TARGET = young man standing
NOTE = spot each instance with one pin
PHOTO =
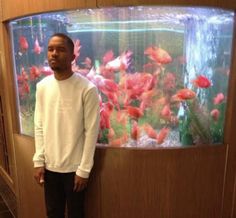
(66, 130)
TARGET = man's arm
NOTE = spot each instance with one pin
(38, 157)
(91, 127)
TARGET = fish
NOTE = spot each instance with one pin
(23, 43)
(122, 62)
(166, 112)
(24, 89)
(122, 117)
(46, 71)
(118, 142)
(169, 82)
(104, 119)
(201, 82)
(159, 55)
(219, 98)
(77, 47)
(23, 77)
(34, 73)
(108, 56)
(215, 113)
(134, 112)
(162, 135)
(87, 63)
(150, 131)
(183, 94)
(135, 131)
(37, 48)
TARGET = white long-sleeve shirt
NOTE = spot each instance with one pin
(66, 124)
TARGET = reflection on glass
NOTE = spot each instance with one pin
(162, 72)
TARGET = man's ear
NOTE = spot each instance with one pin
(73, 57)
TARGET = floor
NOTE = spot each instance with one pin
(4, 212)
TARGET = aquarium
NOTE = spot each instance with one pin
(162, 72)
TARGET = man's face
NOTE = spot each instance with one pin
(59, 55)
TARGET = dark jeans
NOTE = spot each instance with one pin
(59, 194)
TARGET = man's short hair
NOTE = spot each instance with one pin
(68, 40)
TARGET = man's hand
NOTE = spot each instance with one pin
(39, 175)
(80, 183)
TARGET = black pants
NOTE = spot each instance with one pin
(59, 194)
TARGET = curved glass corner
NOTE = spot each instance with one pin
(162, 72)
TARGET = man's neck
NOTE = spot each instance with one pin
(62, 75)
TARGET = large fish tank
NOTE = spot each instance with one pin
(162, 72)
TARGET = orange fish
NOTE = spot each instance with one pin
(134, 112)
(34, 73)
(166, 112)
(23, 77)
(162, 135)
(119, 141)
(23, 44)
(150, 131)
(219, 98)
(183, 94)
(37, 48)
(108, 107)
(169, 81)
(104, 119)
(24, 89)
(135, 131)
(215, 114)
(121, 117)
(201, 82)
(111, 133)
(158, 55)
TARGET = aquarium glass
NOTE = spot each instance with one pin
(162, 72)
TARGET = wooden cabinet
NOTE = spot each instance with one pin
(13, 9)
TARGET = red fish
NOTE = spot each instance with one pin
(119, 141)
(122, 62)
(158, 55)
(134, 112)
(201, 82)
(169, 81)
(34, 73)
(183, 94)
(215, 114)
(135, 131)
(23, 44)
(162, 135)
(109, 56)
(46, 71)
(219, 98)
(122, 117)
(37, 48)
(104, 119)
(166, 112)
(23, 77)
(107, 85)
(150, 131)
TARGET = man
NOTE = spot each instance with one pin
(66, 129)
